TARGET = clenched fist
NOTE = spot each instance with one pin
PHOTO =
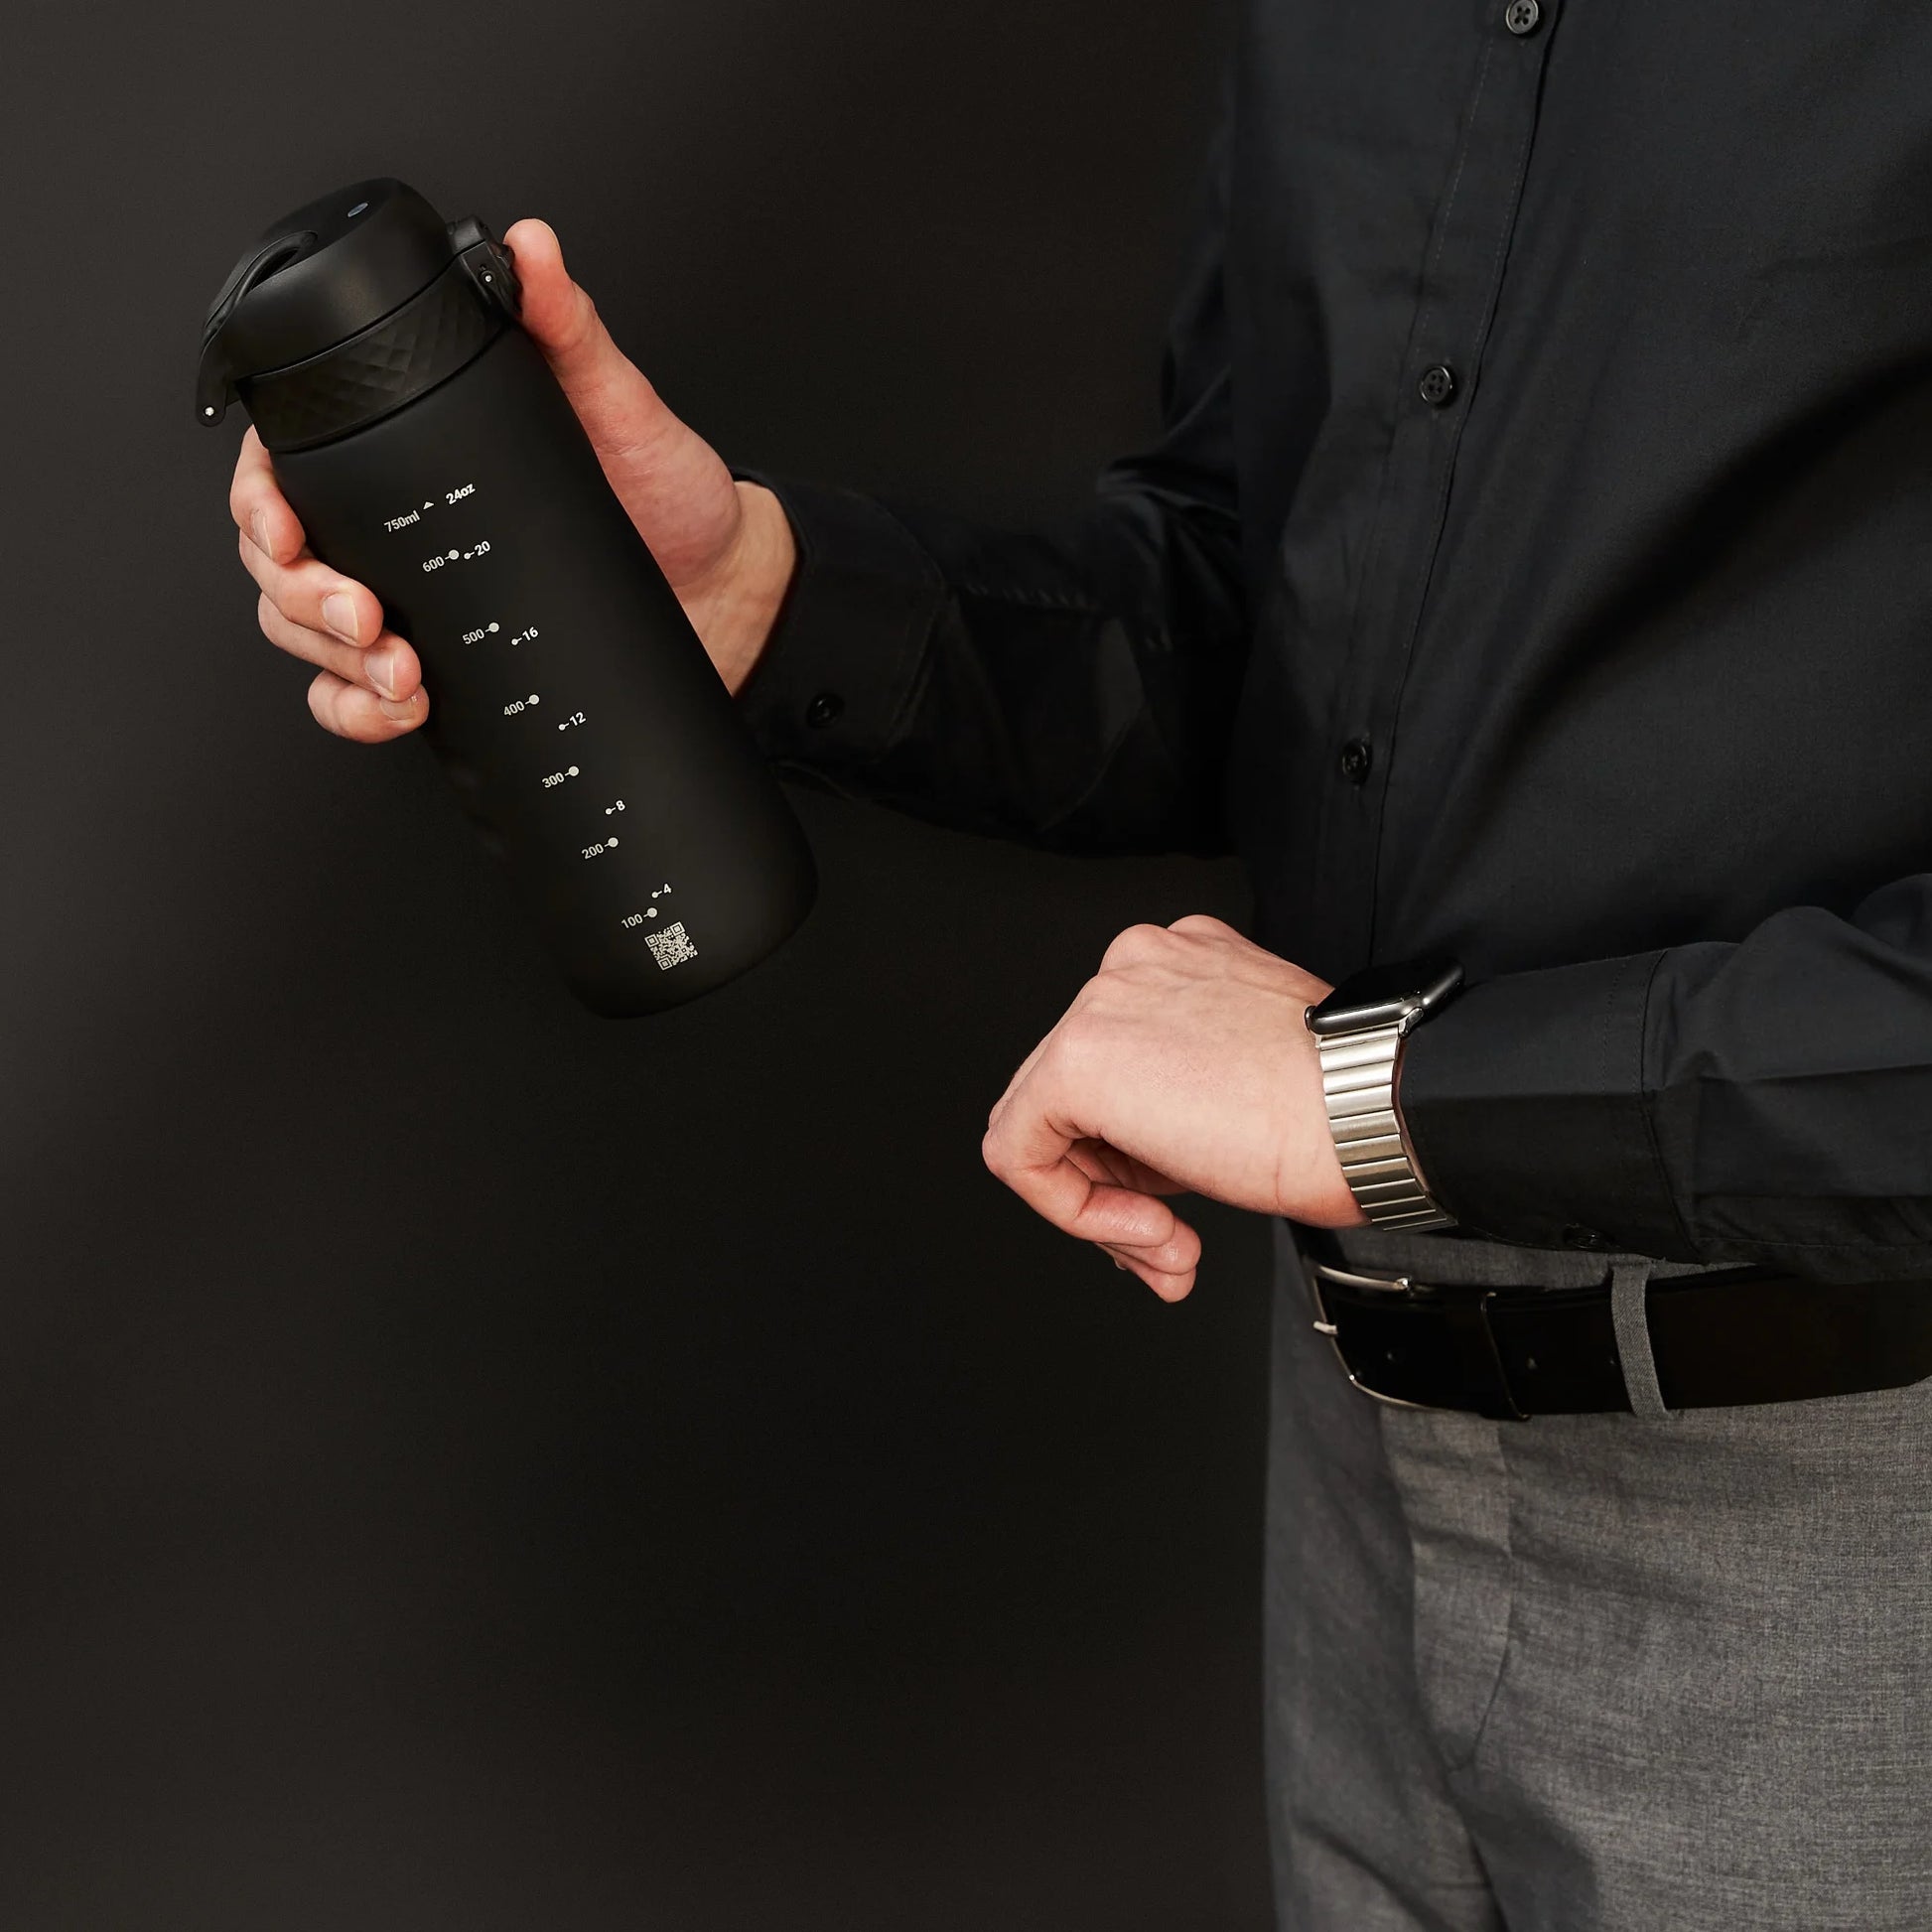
(1184, 1066)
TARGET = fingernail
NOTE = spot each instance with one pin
(397, 708)
(258, 524)
(339, 613)
(380, 667)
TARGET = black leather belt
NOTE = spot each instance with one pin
(1742, 1335)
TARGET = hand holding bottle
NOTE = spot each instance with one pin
(454, 478)
(725, 547)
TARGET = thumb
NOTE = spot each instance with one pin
(676, 487)
(607, 390)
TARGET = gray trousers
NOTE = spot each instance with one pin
(1628, 1672)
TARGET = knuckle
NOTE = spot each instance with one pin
(1075, 1043)
(255, 560)
(1201, 925)
(585, 325)
(1130, 947)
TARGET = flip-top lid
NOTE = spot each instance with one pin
(316, 278)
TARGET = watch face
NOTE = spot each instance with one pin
(1381, 994)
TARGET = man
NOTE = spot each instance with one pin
(1533, 580)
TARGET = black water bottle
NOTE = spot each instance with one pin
(418, 435)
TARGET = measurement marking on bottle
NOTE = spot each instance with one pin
(522, 637)
(454, 556)
(457, 494)
(637, 918)
(555, 779)
(393, 523)
(575, 718)
(660, 892)
(598, 850)
(617, 807)
(520, 704)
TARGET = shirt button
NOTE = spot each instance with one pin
(1523, 17)
(1437, 385)
(824, 708)
(1356, 757)
(1576, 1235)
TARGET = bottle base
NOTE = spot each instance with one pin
(680, 976)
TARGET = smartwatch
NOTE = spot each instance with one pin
(1358, 1033)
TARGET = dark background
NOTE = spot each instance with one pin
(464, 1463)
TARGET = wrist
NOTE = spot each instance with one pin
(1361, 1036)
(1333, 1205)
(1322, 1196)
(735, 611)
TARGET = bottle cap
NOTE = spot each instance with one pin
(326, 273)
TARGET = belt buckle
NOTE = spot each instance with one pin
(1469, 1361)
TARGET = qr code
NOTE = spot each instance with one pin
(672, 946)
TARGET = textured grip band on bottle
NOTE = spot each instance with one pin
(425, 342)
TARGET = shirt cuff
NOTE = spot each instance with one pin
(1525, 1102)
(833, 687)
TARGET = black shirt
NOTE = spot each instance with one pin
(1536, 566)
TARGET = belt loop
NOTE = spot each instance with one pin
(1629, 1292)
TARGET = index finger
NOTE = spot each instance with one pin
(260, 511)
(1032, 1143)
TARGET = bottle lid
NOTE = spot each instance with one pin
(320, 276)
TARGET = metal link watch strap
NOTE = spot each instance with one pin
(1358, 1086)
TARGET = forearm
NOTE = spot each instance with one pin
(1760, 1101)
(1076, 692)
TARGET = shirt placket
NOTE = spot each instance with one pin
(1436, 387)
